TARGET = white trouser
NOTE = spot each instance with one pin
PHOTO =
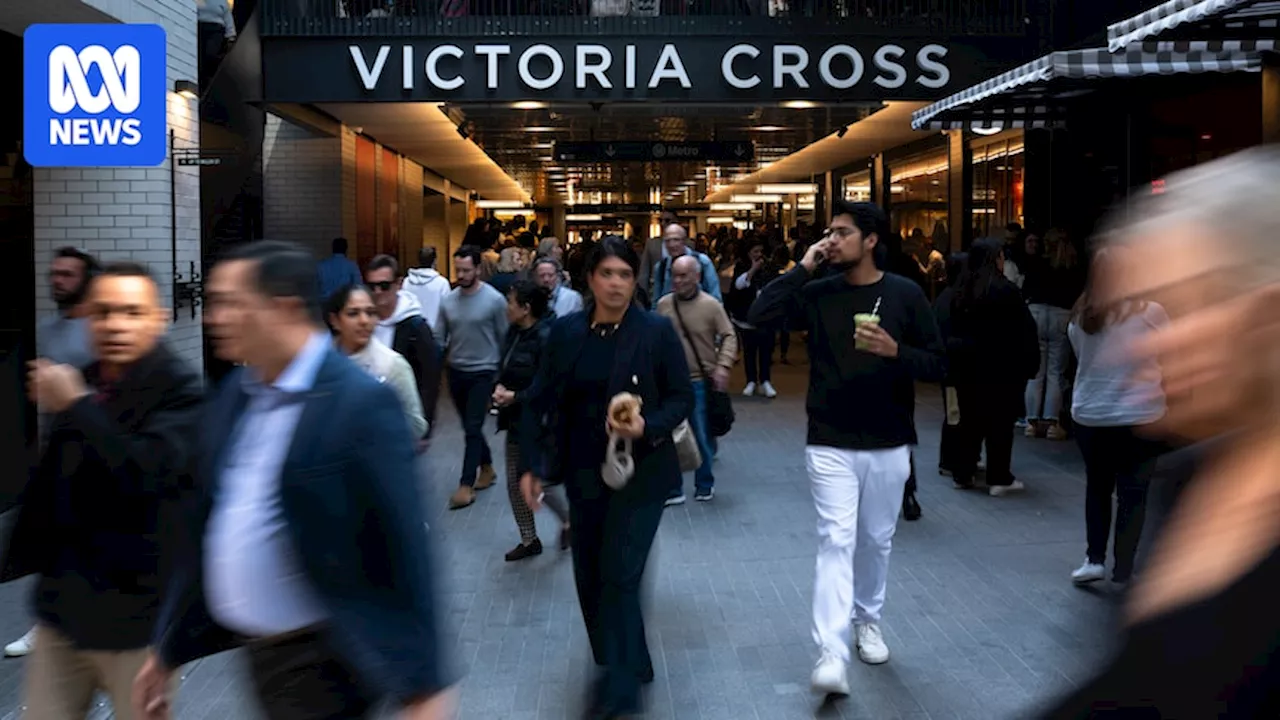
(858, 495)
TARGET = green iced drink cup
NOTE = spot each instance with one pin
(861, 319)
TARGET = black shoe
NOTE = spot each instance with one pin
(566, 538)
(646, 675)
(524, 552)
(704, 494)
(911, 508)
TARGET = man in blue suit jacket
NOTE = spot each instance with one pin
(309, 538)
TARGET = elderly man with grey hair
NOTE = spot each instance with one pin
(675, 244)
(565, 300)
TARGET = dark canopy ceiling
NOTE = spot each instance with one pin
(520, 138)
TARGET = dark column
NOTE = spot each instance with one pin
(959, 190)
(822, 200)
(1271, 98)
(1037, 195)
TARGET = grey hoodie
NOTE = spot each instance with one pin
(429, 287)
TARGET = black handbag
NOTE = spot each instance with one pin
(720, 415)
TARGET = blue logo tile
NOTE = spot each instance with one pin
(94, 96)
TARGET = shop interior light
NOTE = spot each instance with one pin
(499, 204)
(799, 104)
(187, 89)
(749, 198)
(995, 129)
(732, 207)
(719, 220)
(787, 188)
(583, 218)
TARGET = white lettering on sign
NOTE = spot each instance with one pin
(491, 53)
(121, 79)
(557, 67)
(631, 67)
(726, 66)
(433, 72)
(95, 131)
(406, 68)
(669, 67)
(828, 77)
(586, 67)
(369, 77)
(886, 60)
(929, 59)
(783, 65)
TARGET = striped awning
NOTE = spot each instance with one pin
(1169, 15)
(1153, 58)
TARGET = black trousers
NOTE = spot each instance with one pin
(612, 537)
(953, 443)
(987, 414)
(299, 677)
(1116, 461)
(757, 354)
(472, 394)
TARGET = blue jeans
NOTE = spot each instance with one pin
(702, 477)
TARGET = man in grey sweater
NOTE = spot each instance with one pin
(471, 328)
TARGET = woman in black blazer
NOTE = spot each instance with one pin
(613, 346)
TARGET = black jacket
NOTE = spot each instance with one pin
(991, 341)
(650, 362)
(521, 355)
(97, 517)
(415, 343)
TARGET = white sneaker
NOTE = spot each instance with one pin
(871, 647)
(749, 390)
(1089, 572)
(769, 392)
(1002, 490)
(830, 675)
(22, 646)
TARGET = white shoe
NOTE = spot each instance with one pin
(830, 675)
(769, 392)
(22, 646)
(749, 390)
(1089, 573)
(1002, 490)
(871, 647)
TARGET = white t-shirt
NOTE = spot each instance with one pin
(1113, 390)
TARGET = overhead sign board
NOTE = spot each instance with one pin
(705, 69)
(613, 208)
(641, 151)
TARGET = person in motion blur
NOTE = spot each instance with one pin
(403, 328)
(95, 520)
(522, 353)
(352, 317)
(710, 349)
(591, 357)
(427, 285)
(872, 335)
(62, 338)
(1113, 409)
(750, 276)
(471, 330)
(1201, 633)
(308, 543)
(337, 270)
(565, 300)
(992, 350)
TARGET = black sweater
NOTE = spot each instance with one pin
(858, 401)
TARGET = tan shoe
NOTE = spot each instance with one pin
(462, 497)
(485, 478)
(1056, 432)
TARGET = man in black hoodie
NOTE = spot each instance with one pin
(861, 403)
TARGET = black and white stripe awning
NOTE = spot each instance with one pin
(1154, 58)
(1231, 14)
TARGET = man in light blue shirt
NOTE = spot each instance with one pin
(337, 271)
(675, 243)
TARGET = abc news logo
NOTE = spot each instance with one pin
(69, 91)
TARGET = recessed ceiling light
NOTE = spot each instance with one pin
(767, 128)
(543, 146)
(799, 104)
(554, 168)
(539, 129)
(528, 105)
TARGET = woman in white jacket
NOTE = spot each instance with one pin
(353, 317)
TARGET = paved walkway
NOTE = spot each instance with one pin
(981, 618)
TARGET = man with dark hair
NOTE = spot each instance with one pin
(427, 284)
(471, 331)
(402, 327)
(308, 544)
(337, 270)
(872, 335)
(62, 338)
(96, 510)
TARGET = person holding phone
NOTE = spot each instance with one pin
(872, 335)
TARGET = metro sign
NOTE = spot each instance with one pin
(94, 95)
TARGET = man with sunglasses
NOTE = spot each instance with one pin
(861, 405)
(402, 327)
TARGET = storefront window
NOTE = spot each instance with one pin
(998, 175)
(919, 196)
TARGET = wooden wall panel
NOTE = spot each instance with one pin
(389, 205)
(366, 200)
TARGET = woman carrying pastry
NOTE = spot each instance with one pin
(611, 348)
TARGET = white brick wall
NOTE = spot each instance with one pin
(302, 185)
(124, 214)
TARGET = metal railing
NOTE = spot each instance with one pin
(681, 17)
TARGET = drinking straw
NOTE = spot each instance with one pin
(876, 310)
